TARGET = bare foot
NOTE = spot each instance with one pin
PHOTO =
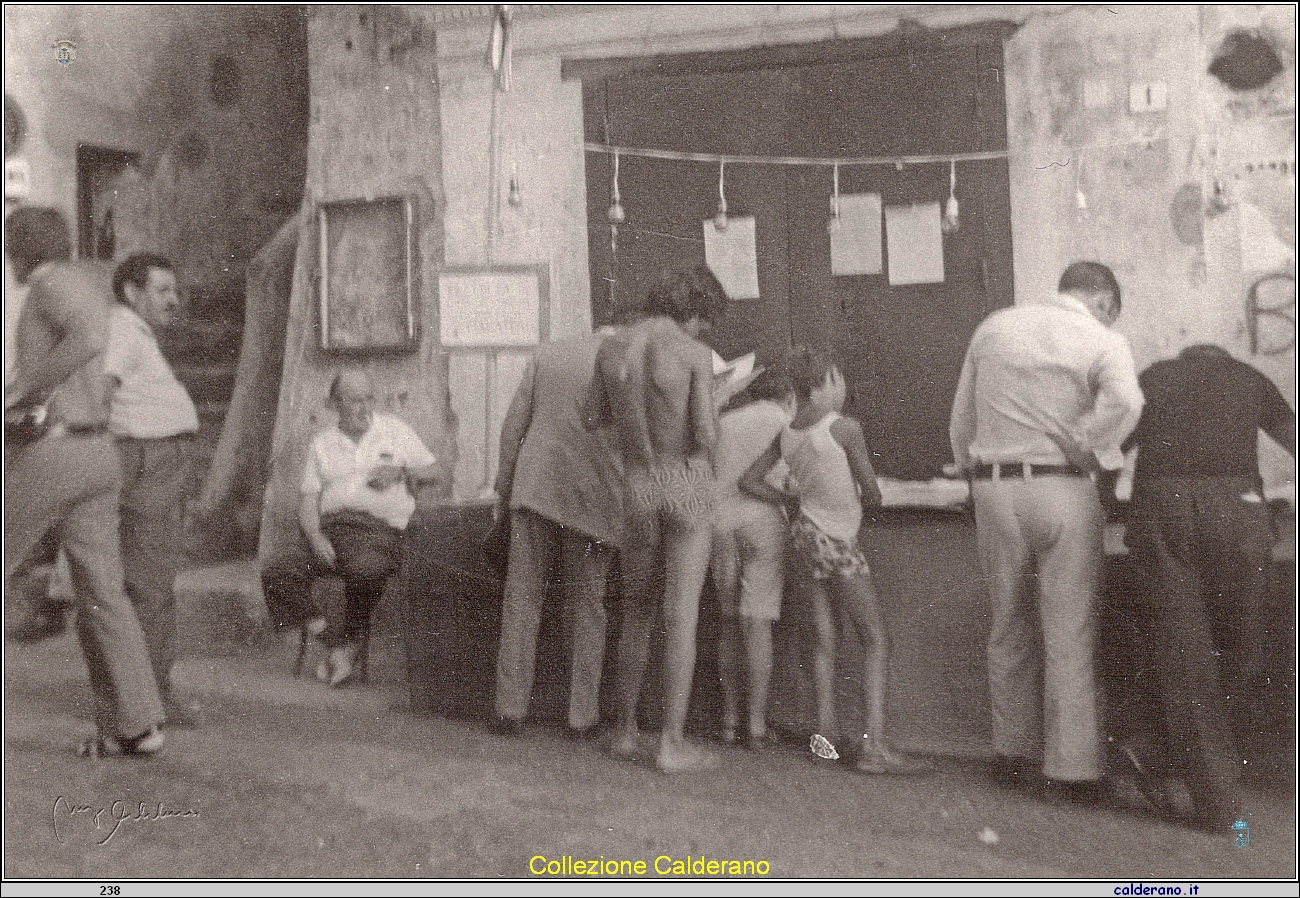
(624, 746)
(883, 761)
(682, 757)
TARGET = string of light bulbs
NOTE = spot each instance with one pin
(732, 158)
(950, 219)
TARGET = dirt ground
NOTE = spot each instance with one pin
(290, 780)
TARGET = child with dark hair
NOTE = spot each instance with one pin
(748, 549)
(830, 481)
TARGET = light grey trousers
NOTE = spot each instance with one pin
(1040, 544)
(71, 483)
(544, 554)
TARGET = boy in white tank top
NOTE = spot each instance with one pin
(831, 479)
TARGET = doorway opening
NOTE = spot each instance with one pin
(99, 174)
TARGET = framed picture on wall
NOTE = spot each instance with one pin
(367, 283)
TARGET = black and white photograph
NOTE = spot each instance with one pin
(646, 444)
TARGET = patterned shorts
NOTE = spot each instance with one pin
(682, 492)
(825, 555)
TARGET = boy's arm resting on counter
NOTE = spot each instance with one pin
(848, 433)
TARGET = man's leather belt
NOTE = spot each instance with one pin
(1017, 469)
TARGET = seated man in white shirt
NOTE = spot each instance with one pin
(356, 502)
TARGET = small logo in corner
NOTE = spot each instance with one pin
(65, 51)
(1242, 829)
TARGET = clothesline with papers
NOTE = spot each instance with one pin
(729, 158)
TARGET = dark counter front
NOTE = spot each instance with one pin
(925, 569)
(927, 572)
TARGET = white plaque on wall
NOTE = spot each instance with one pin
(487, 307)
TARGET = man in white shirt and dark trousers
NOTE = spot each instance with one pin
(153, 420)
(356, 500)
(1047, 394)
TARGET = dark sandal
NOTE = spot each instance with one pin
(146, 745)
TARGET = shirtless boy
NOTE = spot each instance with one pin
(654, 387)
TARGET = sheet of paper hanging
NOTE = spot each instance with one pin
(732, 256)
(855, 237)
(489, 309)
(915, 243)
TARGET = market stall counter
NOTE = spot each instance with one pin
(922, 550)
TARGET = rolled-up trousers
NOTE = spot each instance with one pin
(1040, 543)
(70, 484)
(544, 554)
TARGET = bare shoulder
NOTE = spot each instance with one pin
(69, 295)
(848, 433)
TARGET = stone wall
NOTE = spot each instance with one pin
(375, 132)
(211, 98)
(1071, 130)
(1096, 174)
(389, 111)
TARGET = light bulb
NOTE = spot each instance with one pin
(512, 196)
(720, 220)
(951, 216)
(616, 213)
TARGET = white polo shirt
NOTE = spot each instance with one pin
(149, 403)
(338, 468)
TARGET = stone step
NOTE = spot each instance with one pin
(220, 611)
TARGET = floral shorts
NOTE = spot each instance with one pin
(825, 555)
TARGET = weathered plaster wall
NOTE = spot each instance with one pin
(1128, 165)
(374, 133)
(1091, 177)
(474, 138)
(533, 134)
(216, 179)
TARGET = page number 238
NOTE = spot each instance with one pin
(110, 890)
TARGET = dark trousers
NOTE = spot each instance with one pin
(153, 489)
(367, 552)
(1206, 545)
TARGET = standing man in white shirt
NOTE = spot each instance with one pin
(357, 496)
(1046, 397)
(154, 420)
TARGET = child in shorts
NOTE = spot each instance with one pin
(748, 552)
(830, 481)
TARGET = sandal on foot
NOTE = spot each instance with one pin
(145, 745)
(687, 759)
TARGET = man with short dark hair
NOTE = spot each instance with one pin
(1047, 394)
(63, 474)
(1199, 524)
(654, 386)
(356, 500)
(154, 421)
